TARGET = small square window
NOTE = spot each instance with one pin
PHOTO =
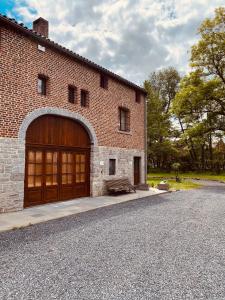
(112, 167)
(124, 115)
(103, 81)
(42, 85)
(84, 98)
(72, 90)
(137, 96)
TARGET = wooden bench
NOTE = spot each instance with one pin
(119, 185)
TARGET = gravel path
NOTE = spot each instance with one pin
(163, 247)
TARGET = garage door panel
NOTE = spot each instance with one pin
(34, 196)
(67, 192)
(51, 194)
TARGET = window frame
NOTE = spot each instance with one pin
(104, 80)
(43, 88)
(124, 126)
(86, 93)
(137, 96)
(112, 168)
(72, 88)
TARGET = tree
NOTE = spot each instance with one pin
(176, 168)
(164, 84)
(208, 55)
(186, 118)
(208, 59)
(198, 116)
(199, 104)
(161, 88)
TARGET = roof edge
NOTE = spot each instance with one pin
(46, 41)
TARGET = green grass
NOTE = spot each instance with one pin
(206, 175)
(183, 185)
(155, 177)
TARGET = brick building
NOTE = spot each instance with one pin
(66, 124)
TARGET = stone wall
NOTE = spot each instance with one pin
(124, 166)
(12, 157)
(12, 162)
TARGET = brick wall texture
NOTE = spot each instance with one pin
(21, 62)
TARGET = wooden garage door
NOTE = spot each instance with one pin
(57, 166)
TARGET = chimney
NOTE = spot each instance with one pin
(41, 26)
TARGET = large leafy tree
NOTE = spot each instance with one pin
(196, 104)
(161, 88)
(200, 103)
(208, 59)
(164, 85)
(208, 55)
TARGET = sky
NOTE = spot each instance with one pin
(129, 37)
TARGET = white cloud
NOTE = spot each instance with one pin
(129, 37)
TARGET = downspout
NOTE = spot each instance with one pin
(145, 137)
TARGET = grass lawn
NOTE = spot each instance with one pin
(184, 185)
(206, 175)
(155, 177)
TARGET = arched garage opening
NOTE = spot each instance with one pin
(57, 165)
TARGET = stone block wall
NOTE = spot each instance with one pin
(124, 166)
(12, 158)
(12, 170)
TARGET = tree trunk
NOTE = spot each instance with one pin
(210, 151)
(191, 149)
(203, 157)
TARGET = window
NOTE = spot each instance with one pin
(84, 98)
(51, 168)
(67, 167)
(42, 85)
(112, 167)
(34, 168)
(137, 96)
(80, 168)
(72, 93)
(124, 115)
(103, 81)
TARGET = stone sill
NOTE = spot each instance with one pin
(124, 132)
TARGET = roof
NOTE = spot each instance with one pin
(47, 42)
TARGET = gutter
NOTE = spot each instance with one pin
(51, 44)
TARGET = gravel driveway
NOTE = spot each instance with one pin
(163, 247)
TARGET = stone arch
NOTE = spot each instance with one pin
(60, 112)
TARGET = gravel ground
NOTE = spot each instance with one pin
(162, 247)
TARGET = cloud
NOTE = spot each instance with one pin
(129, 37)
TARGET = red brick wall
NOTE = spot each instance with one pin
(21, 62)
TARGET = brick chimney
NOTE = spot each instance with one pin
(41, 26)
